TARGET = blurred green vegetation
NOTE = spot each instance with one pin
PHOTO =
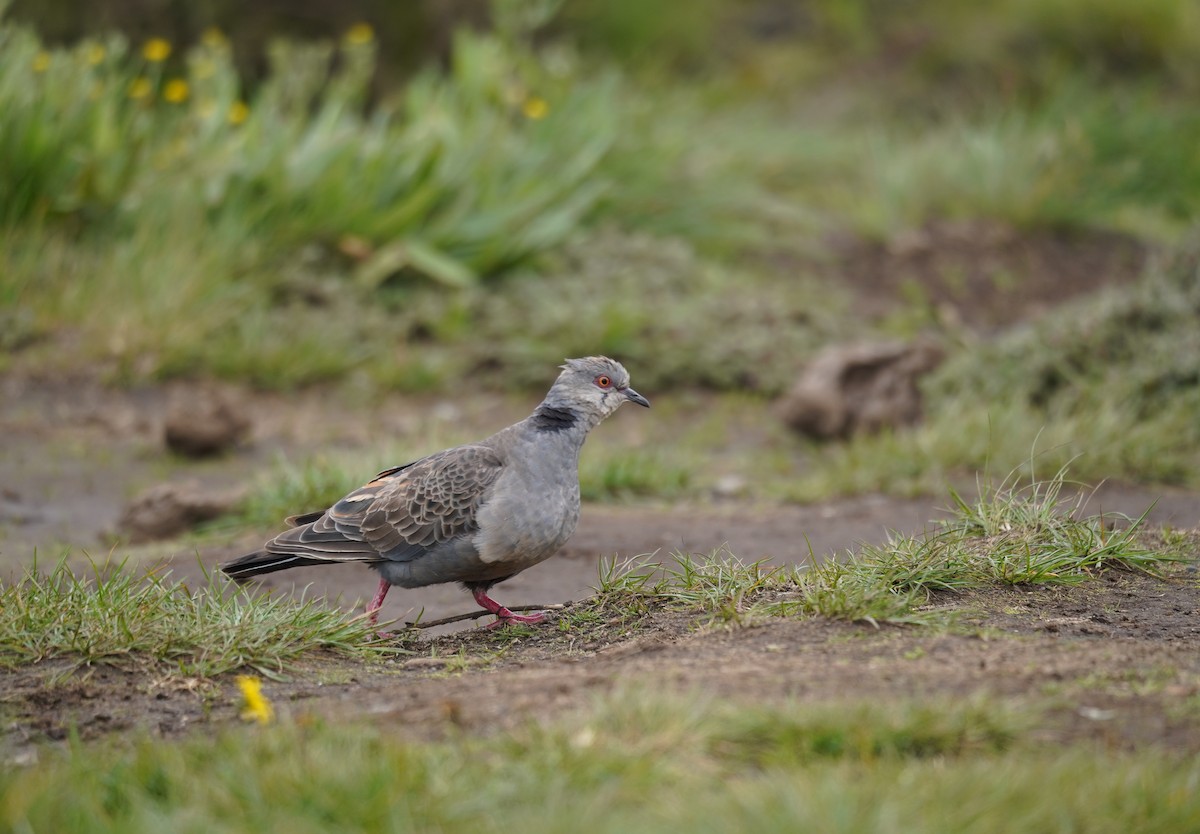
(553, 178)
(631, 760)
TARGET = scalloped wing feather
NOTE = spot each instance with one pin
(403, 512)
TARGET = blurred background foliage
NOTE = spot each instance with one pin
(404, 194)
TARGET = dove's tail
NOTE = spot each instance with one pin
(261, 561)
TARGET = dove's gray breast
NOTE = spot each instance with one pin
(523, 518)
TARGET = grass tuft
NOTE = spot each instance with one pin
(116, 617)
(1009, 535)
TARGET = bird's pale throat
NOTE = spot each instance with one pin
(549, 418)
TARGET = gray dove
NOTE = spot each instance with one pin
(476, 514)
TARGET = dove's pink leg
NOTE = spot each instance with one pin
(377, 602)
(503, 615)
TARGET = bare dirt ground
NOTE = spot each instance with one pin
(1117, 659)
(977, 273)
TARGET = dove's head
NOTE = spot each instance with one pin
(594, 386)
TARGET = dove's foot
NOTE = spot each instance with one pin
(503, 615)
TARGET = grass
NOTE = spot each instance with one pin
(633, 473)
(292, 489)
(118, 618)
(1009, 535)
(864, 733)
(630, 762)
(414, 186)
(524, 200)
(307, 228)
(630, 759)
(183, 203)
(528, 200)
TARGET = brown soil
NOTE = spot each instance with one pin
(981, 274)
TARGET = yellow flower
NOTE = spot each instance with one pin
(95, 54)
(255, 706)
(41, 61)
(360, 34)
(535, 108)
(156, 50)
(238, 111)
(139, 88)
(175, 91)
(213, 37)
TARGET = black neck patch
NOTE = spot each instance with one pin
(549, 418)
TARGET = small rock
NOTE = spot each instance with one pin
(204, 421)
(27, 757)
(729, 486)
(860, 388)
(167, 510)
(446, 412)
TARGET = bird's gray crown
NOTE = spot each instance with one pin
(587, 368)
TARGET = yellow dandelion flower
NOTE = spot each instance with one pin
(96, 54)
(360, 34)
(156, 50)
(255, 706)
(175, 91)
(213, 37)
(238, 112)
(535, 108)
(41, 61)
(139, 88)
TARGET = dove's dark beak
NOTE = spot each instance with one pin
(635, 397)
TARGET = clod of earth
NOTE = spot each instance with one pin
(166, 510)
(860, 388)
(204, 421)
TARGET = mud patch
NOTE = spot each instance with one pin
(57, 699)
(983, 274)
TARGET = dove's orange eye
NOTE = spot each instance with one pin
(604, 381)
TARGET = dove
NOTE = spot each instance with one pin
(475, 514)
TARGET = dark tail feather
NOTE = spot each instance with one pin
(260, 562)
(306, 518)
